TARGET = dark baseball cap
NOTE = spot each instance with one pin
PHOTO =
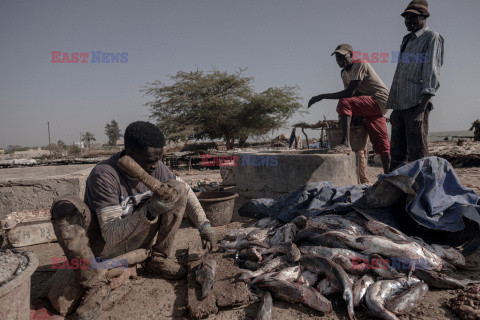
(343, 49)
(419, 7)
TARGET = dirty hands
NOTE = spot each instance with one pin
(207, 234)
(315, 99)
(163, 200)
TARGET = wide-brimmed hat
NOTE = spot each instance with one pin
(419, 7)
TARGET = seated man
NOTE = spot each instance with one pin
(365, 95)
(119, 215)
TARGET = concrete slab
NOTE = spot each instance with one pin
(272, 174)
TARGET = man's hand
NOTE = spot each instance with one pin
(207, 234)
(315, 99)
(422, 107)
(162, 202)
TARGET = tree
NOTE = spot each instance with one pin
(13, 148)
(113, 132)
(218, 105)
(88, 137)
(56, 149)
(74, 150)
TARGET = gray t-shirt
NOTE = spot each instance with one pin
(114, 197)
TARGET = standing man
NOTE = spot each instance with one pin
(119, 214)
(414, 84)
(365, 95)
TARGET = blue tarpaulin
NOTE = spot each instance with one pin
(317, 198)
(436, 198)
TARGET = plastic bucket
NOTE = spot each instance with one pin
(15, 294)
(358, 137)
(218, 206)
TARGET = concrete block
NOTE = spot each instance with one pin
(272, 174)
(23, 189)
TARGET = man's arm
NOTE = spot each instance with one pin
(347, 93)
(103, 197)
(432, 63)
(194, 209)
(196, 214)
(430, 74)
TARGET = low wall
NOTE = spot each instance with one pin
(36, 187)
(272, 174)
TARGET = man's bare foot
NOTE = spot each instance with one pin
(341, 148)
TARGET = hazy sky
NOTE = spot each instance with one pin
(281, 42)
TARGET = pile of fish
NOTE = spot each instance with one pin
(370, 264)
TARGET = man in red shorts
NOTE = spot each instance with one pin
(365, 95)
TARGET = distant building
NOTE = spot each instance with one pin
(120, 143)
(2, 151)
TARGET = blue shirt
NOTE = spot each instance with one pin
(418, 69)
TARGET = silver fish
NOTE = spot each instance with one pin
(360, 288)
(276, 263)
(449, 254)
(388, 248)
(335, 222)
(278, 237)
(407, 300)
(240, 244)
(290, 249)
(380, 291)
(329, 253)
(381, 229)
(290, 232)
(262, 223)
(257, 235)
(287, 274)
(253, 254)
(309, 278)
(441, 281)
(294, 293)
(205, 276)
(286, 234)
(266, 306)
(327, 239)
(326, 287)
(383, 269)
(335, 274)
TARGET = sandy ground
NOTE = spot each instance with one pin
(150, 298)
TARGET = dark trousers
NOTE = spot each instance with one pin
(409, 138)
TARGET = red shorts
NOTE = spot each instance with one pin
(376, 124)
